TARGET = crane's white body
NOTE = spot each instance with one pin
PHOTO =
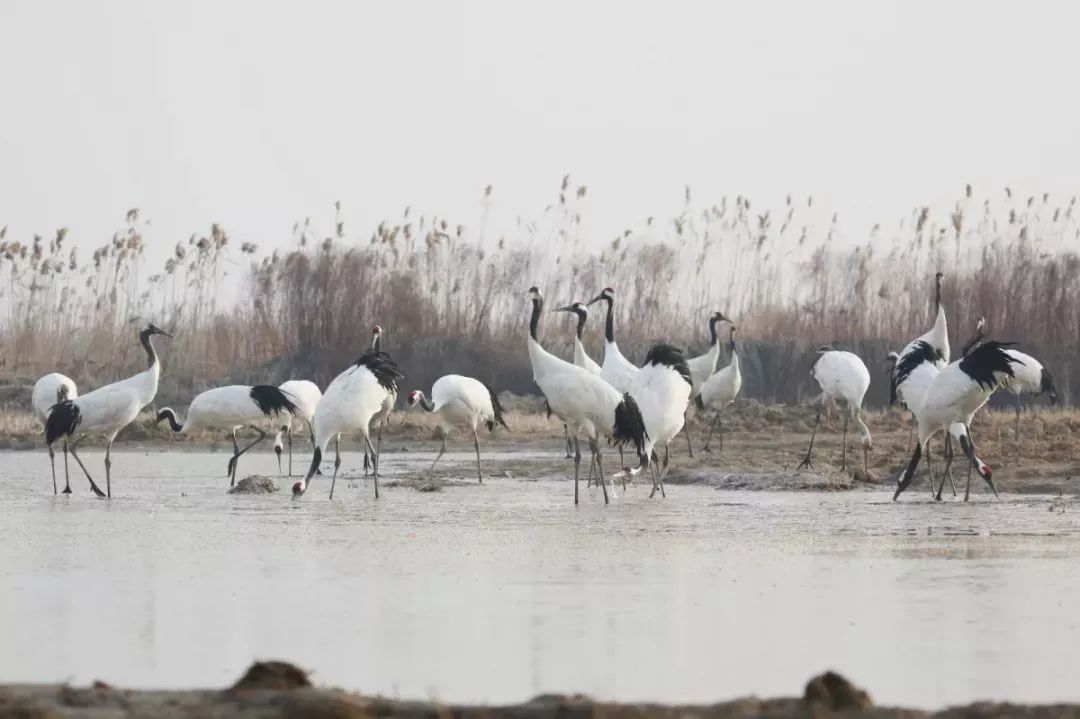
(224, 408)
(461, 400)
(109, 409)
(938, 338)
(46, 393)
(842, 376)
(349, 404)
(662, 394)
(702, 368)
(305, 395)
(950, 397)
(722, 387)
(581, 399)
(617, 371)
(1028, 373)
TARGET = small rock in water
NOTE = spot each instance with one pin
(861, 475)
(255, 484)
(836, 692)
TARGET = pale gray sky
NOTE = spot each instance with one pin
(256, 114)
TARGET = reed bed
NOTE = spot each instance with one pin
(451, 293)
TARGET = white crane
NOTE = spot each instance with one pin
(616, 370)
(353, 399)
(581, 359)
(661, 389)
(720, 390)
(50, 390)
(841, 376)
(305, 395)
(702, 367)
(461, 400)
(952, 396)
(584, 401)
(107, 409)
(232, 408)
(383, 416)
(936, 339)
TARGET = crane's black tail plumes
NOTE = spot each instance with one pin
(986, 362)
(63, 418)
(629, 426)
(1046, 386)
(383, 367)
(271, 400)
(699, 403)
(669, 356)
(497, 408)
(168, 414)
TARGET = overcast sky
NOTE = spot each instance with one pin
(255, 114)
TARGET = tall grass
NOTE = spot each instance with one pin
(452, 293)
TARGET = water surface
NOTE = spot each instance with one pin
(502, 591)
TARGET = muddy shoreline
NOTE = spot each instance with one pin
(278, 689)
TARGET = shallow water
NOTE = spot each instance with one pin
(502, 591)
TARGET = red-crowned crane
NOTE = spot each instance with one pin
(230, 409)
(305, 395)
(353, 399)
(50, 390)
(952, 396)
(383, 416)
(841, 376)
(720, 390)
(584, 401)
(461, 400)
(702, 367)
(107, 410)
(661, 389)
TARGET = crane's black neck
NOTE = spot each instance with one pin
(582, 315)
(148, 345)
(973, 342)
(937, 294)
(731, 340)
(534, 322)
(609, 325)
(427, 403)
(171, 416)
(712, 330)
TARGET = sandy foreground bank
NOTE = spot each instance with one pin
(277, 689)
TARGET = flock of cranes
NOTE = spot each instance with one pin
(643, 408)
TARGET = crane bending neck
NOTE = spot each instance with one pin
(426, 403)
(169, 415)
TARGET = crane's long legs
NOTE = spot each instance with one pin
(808, 461)
(712, 428)
(67, 481)
(375, 463)
(288, 438)
(843, 455)
(442, 451)
(569, 443)
(235, 461)
(1017, 418)
(686, 431)
(949, 455)
(108, 468)
(82, 466)
(337, 463)
(52, 463)
(476, 445)
(595, 447)
(577, 467)
(909, 471)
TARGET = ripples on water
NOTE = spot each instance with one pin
(499, 592)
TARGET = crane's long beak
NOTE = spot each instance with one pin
(163, 332)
